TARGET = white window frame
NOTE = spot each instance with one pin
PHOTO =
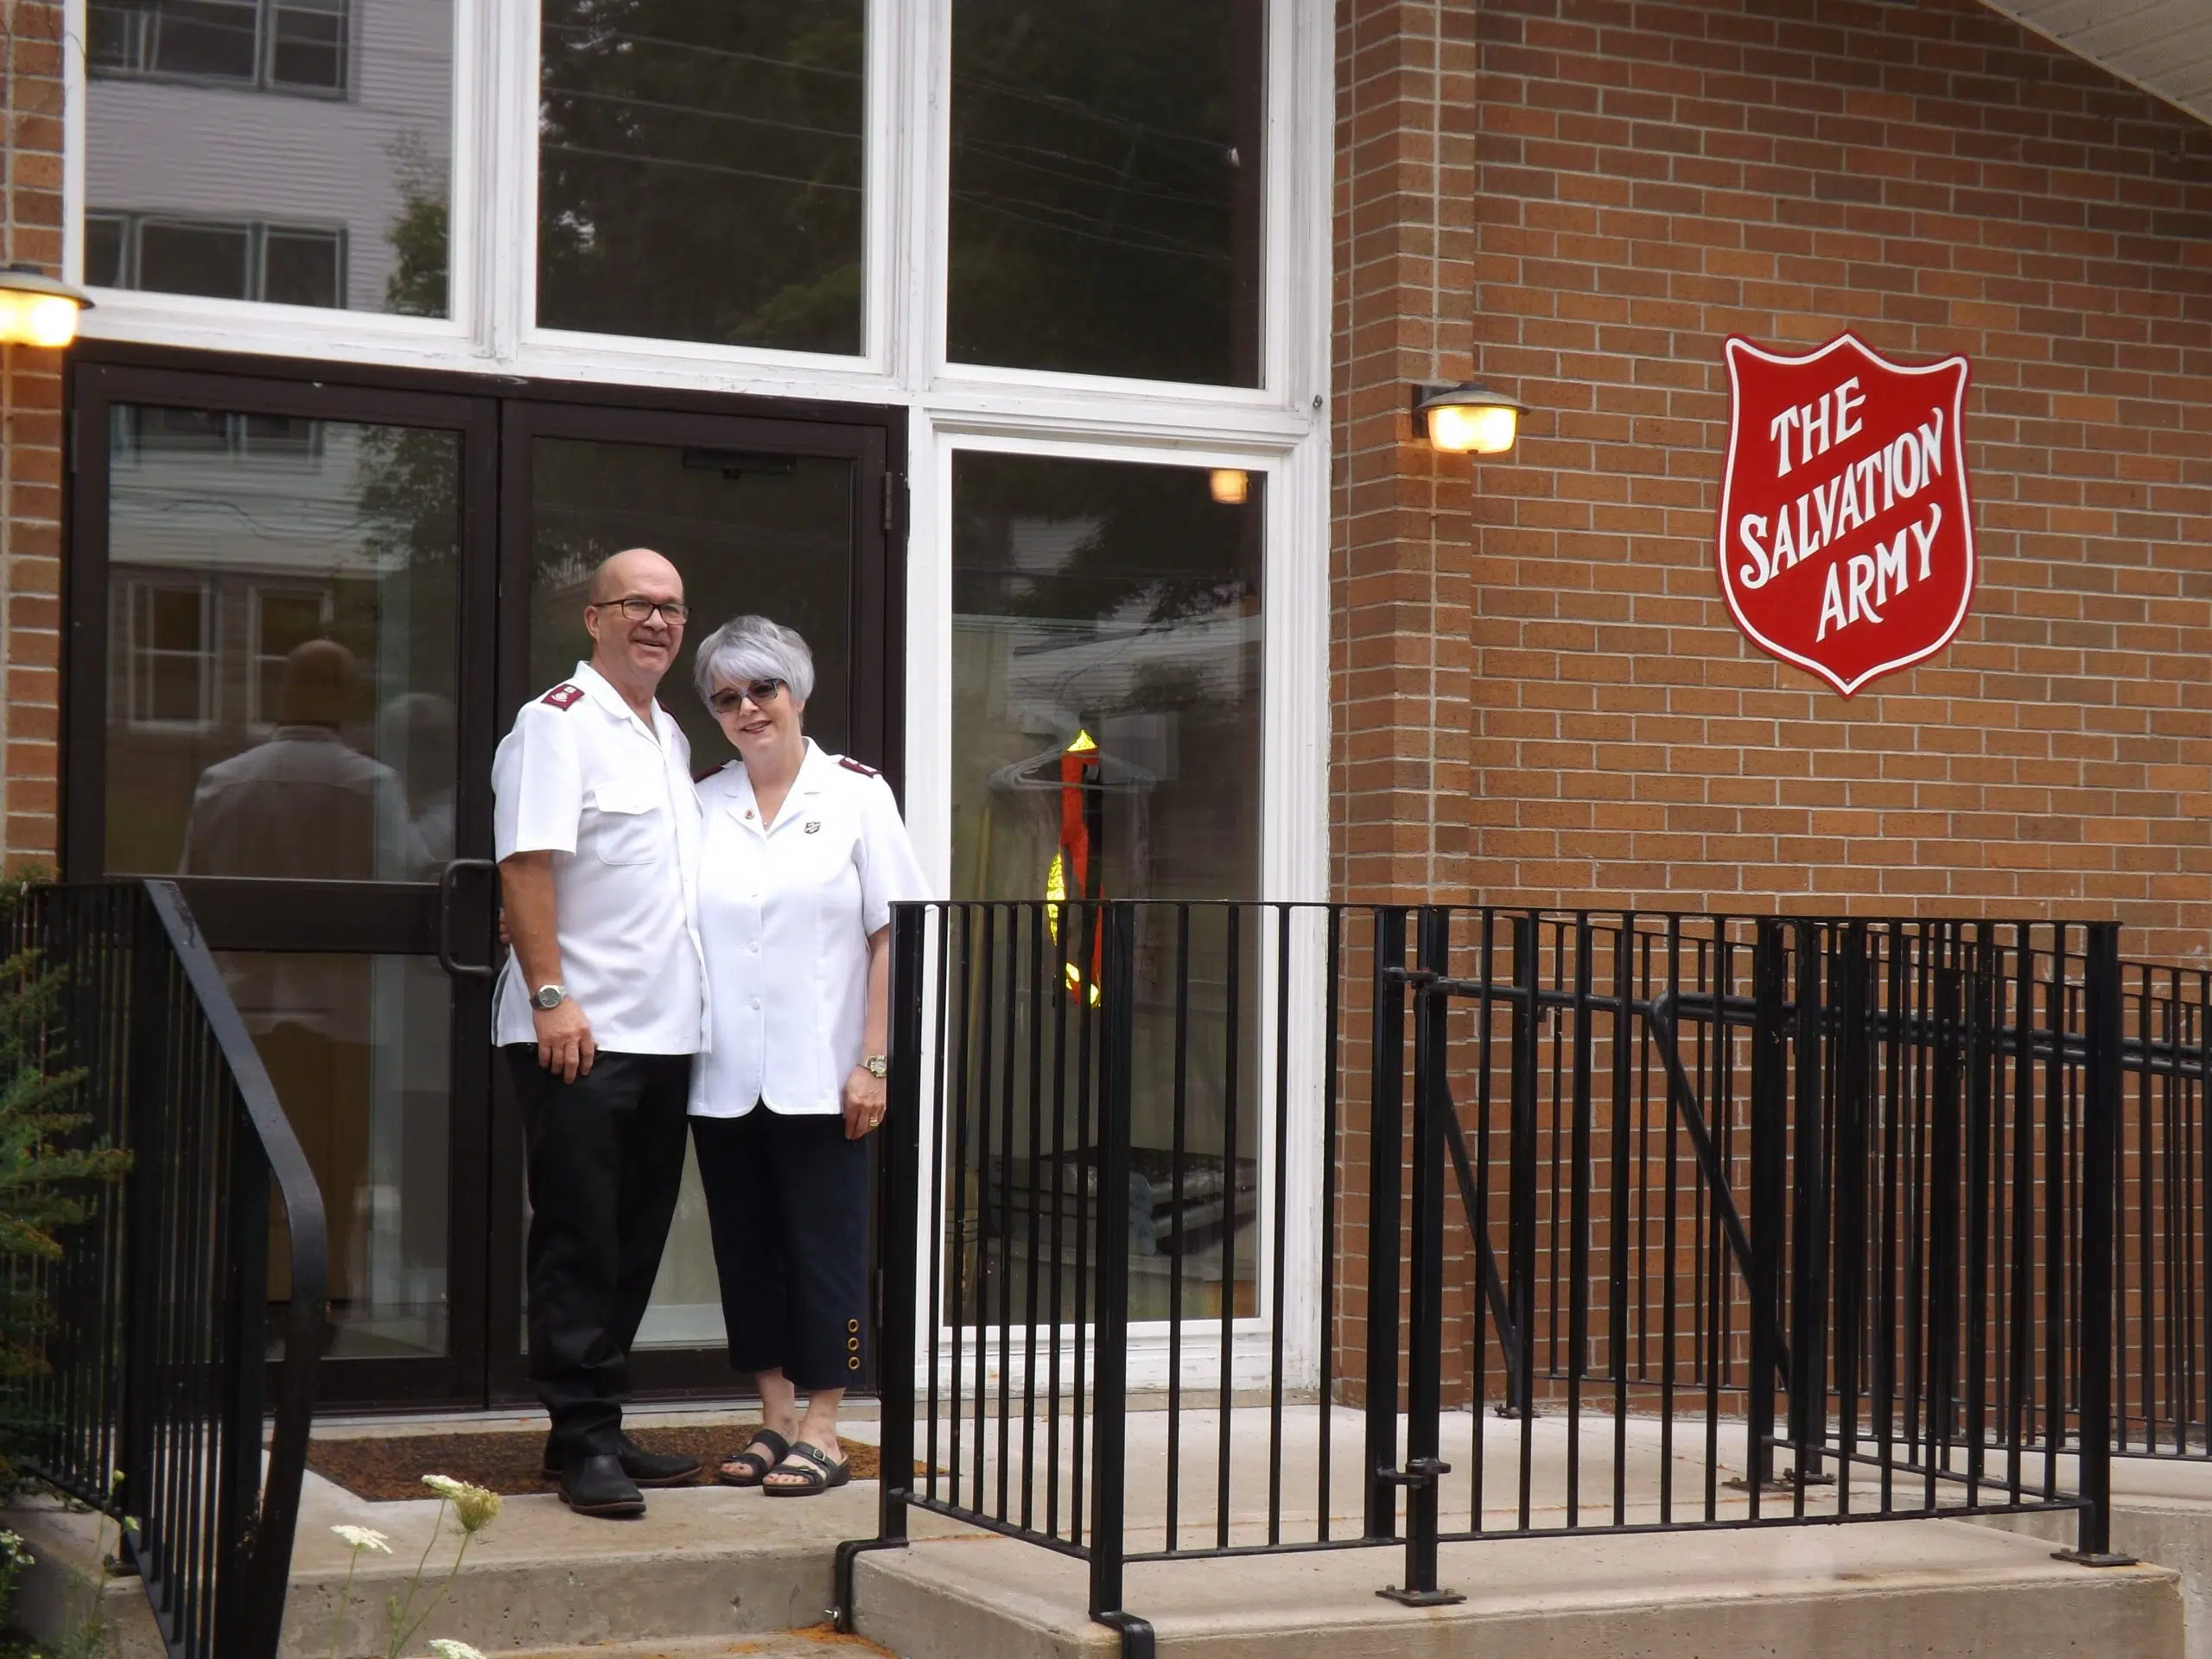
(136, 655)
(1279, 427)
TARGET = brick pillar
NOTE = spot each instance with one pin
(30, 441)
(1401, 546)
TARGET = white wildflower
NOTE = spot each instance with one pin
(475, 1506)
(364, 1538)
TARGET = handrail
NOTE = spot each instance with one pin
(160, 1360)
(268, 1565)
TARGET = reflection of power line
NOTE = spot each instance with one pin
(1161, 246)
(1076, 107)
(696, 167)
(1101, 175)
(597, 34)
(353, 528)
(852, 136)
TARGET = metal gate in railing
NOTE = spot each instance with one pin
(1677, 1196)
(161, 1349)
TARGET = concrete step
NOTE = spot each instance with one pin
(1892, 1590)
(820, 1642)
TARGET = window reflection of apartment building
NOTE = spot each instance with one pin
(248, 149)
(221, 585)
(262, 150)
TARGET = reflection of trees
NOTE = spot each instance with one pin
(417, 287)
(408, 477)
(699, 170)
(1160, 550)
(1105, 187)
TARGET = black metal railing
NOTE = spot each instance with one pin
(1676, 1196)
(161, 1353)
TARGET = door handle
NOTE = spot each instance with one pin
(448, 877)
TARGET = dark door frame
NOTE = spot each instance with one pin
(496, 415)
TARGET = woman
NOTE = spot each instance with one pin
(802, 856)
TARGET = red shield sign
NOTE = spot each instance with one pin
(1846, 532)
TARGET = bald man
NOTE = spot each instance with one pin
(601, 1008)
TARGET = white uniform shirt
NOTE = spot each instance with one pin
(786, 910)
(583, 777)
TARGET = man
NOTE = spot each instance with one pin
(601, 1008)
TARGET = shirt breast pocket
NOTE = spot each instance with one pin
(626, 825)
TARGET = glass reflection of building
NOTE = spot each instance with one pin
(290, 152)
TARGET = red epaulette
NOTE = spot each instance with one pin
(565, 697)
(851, 765)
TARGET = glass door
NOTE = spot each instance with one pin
(275, 700)
(790, 519)
(301, 613)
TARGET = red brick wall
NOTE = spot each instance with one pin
(1651, 178)
(31, 442)
(1579, 201)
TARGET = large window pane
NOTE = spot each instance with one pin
(282, 604)
(295, 152)
(1107, 634)
(699, 170)
(1106, 173)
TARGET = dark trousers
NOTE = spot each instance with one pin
(606, 1158)
(787, 1200)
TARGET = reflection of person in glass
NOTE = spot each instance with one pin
(416, 734)
(304, 803)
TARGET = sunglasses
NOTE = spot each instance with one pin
(731, 698)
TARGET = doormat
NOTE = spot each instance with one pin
(510, 1462)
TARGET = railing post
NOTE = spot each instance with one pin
(1385, 1170)
(1808, 1254)
(2099, 1173)
(1770, 1128)
(143, 1207)
(1425, 1349)
(898, 1174)
(1853, 1068)
(248, 1613)
(1109, 1392)
(1520, 1245)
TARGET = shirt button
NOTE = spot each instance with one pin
(756, 1002)
(754, 947)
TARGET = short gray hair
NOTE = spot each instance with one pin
(752, 648)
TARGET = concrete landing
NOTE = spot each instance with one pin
(2162, 1512)
(1894, 1590)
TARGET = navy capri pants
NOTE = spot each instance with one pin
(787, 1200)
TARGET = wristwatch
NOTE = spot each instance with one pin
(549, 996)
(876, 1066)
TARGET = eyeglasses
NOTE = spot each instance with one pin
(732, 698)
(635, 610)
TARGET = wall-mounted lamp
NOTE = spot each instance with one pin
(1467, 419)
(36, 310)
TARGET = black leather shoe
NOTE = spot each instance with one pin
(598, 1486)
(645, 1468)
